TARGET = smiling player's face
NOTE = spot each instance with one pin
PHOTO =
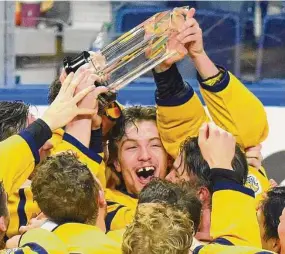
(141, 156)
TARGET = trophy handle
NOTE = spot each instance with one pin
(73, 64)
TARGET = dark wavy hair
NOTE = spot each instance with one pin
(13, 118)
(130, 115)
(272, 207)
(194, 163)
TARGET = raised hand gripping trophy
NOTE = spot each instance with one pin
(132, 54)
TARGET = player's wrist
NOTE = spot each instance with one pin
(197, 55)
(162, 68)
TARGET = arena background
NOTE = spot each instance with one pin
(247, 37)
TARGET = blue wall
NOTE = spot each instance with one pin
(141, 91)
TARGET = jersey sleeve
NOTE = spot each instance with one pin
(234, 108)
(18, 156)
(233, 217)
(120, 209)
(177, 120)
(92, 159)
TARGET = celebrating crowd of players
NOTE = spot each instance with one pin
(165, 179)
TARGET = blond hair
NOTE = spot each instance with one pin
(158, 229)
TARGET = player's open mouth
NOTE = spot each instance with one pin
(145, 174)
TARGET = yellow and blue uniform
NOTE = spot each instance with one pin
(17, 167)
(22, 208)
(223, 248)
(234, 225)
(92, 159)
(121, 209)
(181, 117)
(76, 237)
(21, 204)
(39, 241)
(235, 109)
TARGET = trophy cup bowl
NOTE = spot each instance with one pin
(133, 54)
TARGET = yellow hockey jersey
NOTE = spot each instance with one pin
(120, 209)
(117, 235)
(76, 237)
(17, 166)
(234, 108)
(93, 160)
(86, 239)
(22, 208)
(234, 224)
(246, 120)
(39, 240)
(228, 249)
(20, 202)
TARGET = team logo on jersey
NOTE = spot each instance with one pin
(253, 183)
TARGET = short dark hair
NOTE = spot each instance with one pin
(53, 90)
(13, 118)
(66, 190)
(195, 164)
(130, 115)
(272, 207)
(176, 195)
(3, 201)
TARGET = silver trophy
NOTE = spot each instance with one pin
(132, 54)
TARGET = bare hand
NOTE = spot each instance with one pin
(62, 76)
(273, 183)
(64, 108)
(90, 100)
(217, 146)
(191, 35)
(33, 223)
(13, 242)
(175, 44)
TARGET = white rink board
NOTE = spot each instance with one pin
(276, 119)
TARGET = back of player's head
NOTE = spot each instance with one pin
(194, 163)
(158, 228)
(66, 190)
(272, 207)
(53, 90)
(178, 196)
(130, 116)
(13, 118)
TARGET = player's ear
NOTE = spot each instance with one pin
(3, 226)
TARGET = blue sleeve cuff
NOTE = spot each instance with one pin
(90, 154)
(229, 185)
(175, 100)
(96, 141)
(220, 86)
(32, 144)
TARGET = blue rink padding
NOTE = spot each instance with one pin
(270, 92)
